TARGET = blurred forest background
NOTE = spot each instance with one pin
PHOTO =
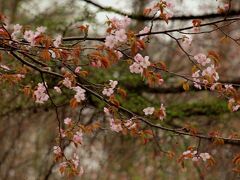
(28, 131)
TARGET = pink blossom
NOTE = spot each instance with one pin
(149, 110)
(202, 59)
(213, 86)
(106, 111)
(235, 106)
(63, 134)
(110, 41)
(57, 41)
(57, 150)
(113, 84)
(107, 91)
(77, 138)
(197, 81)
(211, 71)
(205, 156)
(130, 124)
(136, 68)
(115, 126)
(119, 54)
(67, 121)
(120, 35)
(29, 37)
(78, 69)
(80, 93)
(138, 58)
(66, 82)
(40, 93)
(145, 63)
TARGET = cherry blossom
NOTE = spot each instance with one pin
(190, 154)
(211, 71)
(110, 41)
(139, 64)
(119, 54)
(77, 69)
(80, 93)
(149, 110)
(57, 150)
(77, 138)
(106, 111)
(40, 93)
(63, 134)
(115, 126)
(16, 31)
(107, 91)
(113, 84)
(197, 81)
(67, 121)
(120, 35)
(204, 156)
(29, 36)
(234, 106)
(130, 124)
(145, 63)
(66, 82)
(202, 59)
(136, 68)
(57, 40)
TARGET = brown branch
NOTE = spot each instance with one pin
(102, 39)
(132, 114)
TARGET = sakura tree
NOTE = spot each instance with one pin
(66, 72)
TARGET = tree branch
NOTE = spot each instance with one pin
(142, 17)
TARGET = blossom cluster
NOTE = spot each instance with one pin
(71, 167)
(161, 113)
(31, 36)
(80, 92)
(207, 75)
(190, 154)
(108, 91)
(117, 125)
(117, 32)
(140, 63)
(40, 93)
